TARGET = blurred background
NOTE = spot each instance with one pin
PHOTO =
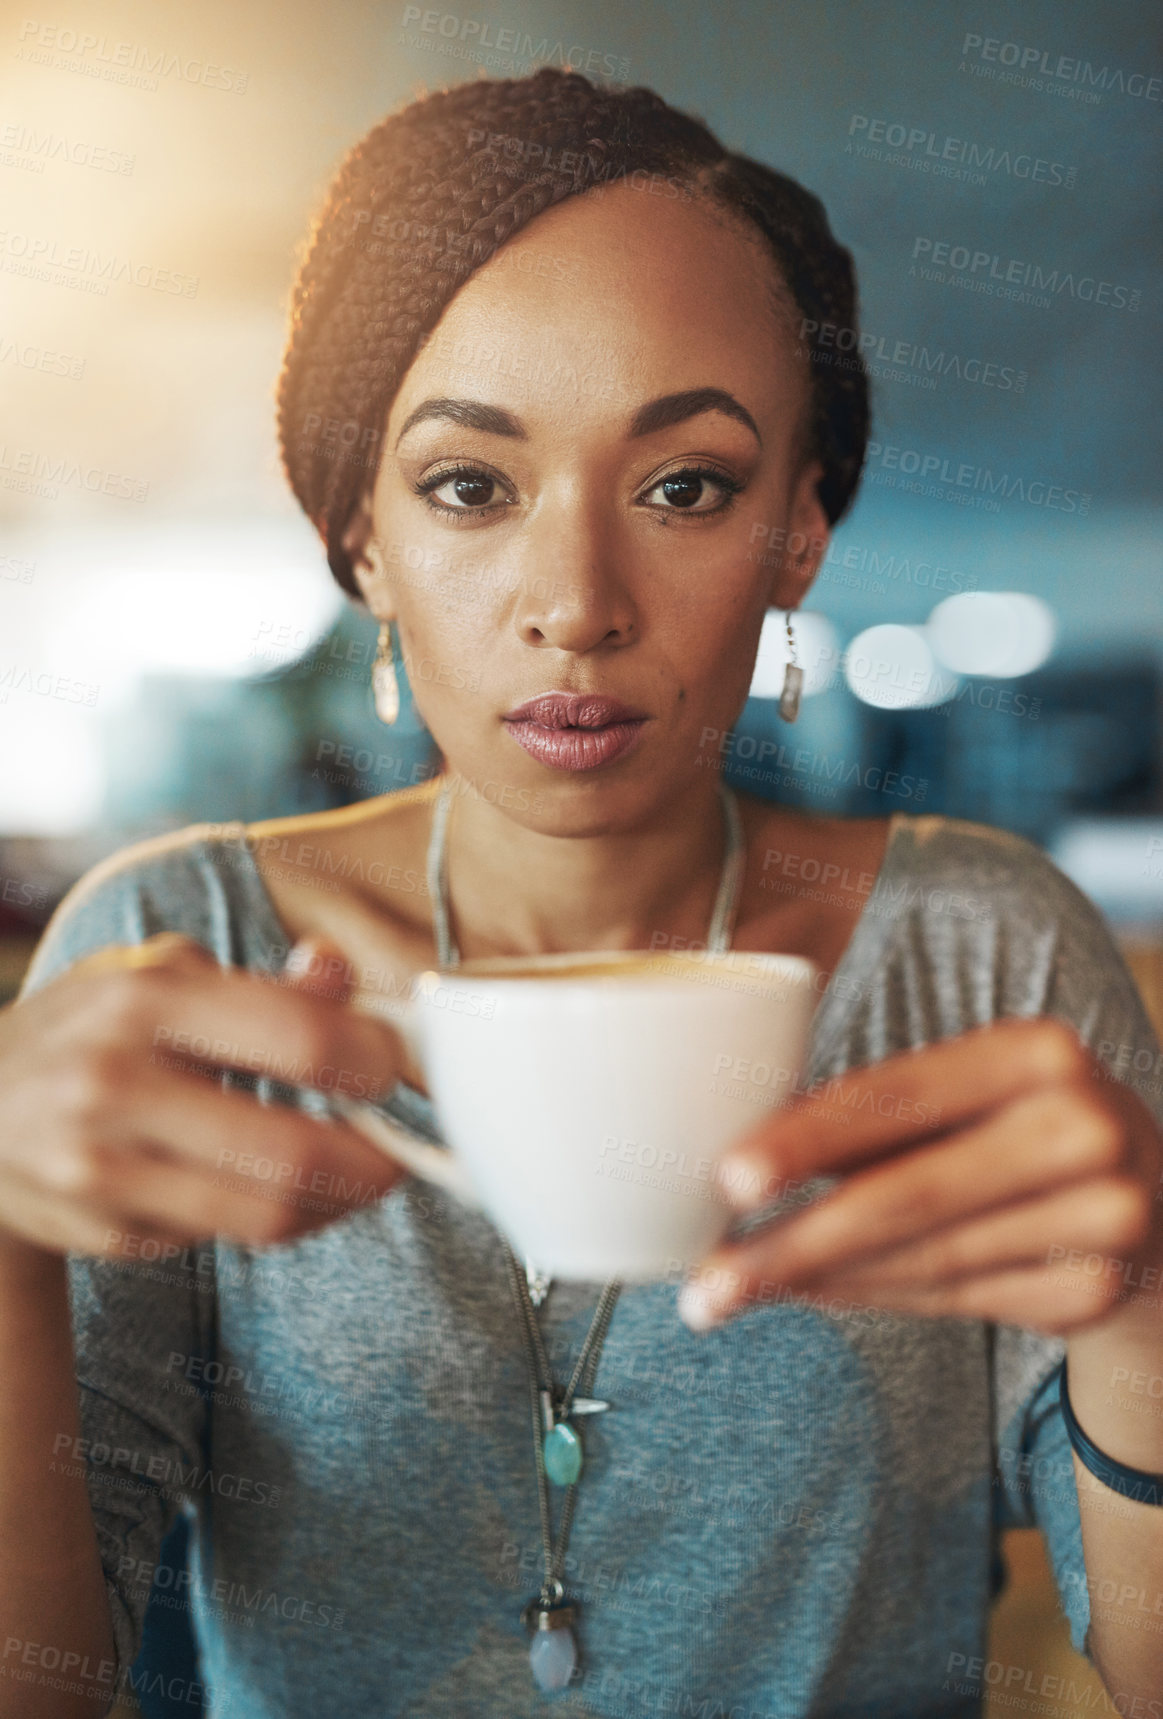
(986, 635)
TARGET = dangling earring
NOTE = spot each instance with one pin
(793, 680)
(385, 686)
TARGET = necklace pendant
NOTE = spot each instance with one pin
(587, 1406)
(548, 1411)
(561, 1451)
(553, 1650)
(539, 1282)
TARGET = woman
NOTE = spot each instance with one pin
(546, 374)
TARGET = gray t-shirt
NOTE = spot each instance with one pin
(794, 1514)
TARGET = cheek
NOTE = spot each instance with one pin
(441, 648)
(447, 586)
(715, 633)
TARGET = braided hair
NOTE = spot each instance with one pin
(435, 189)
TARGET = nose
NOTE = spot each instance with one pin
(572, 594)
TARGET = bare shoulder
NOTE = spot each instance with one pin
(803, 845)
(371, 853)
(391, 816)
(808, 879)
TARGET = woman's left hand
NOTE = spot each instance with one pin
(1002, 1175)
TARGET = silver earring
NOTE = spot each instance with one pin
(385, 686)
(793, 680)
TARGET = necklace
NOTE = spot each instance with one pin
(557, 1445)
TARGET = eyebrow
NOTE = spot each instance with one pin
(655, 415)
(473, 414)
(676, 408)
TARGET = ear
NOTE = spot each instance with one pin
(367, 561)
(806, 542)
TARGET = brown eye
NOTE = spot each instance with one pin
(694, 491)
(683, 490)
(467, 489)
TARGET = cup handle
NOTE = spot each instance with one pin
(432, 1163)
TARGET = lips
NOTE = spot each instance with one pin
(575, 730)
(574, 710)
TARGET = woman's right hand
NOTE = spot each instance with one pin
(115, 1129)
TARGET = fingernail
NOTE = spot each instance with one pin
(697, 1308)
(744, 1181)
(301, 956)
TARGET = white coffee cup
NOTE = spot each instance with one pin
(586, 1097)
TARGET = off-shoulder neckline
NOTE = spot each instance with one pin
(861, 953)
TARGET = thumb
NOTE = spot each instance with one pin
(319, 967)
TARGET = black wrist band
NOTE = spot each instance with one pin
(1134, 1483)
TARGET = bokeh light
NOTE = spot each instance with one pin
(1002, 633)
(893, 667)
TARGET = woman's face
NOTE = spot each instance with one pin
(580, 474)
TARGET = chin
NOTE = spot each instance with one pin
(596, 803)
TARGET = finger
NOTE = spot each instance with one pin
(972, 1172)
(228, 1017)
(890, 1106)
(1109, 1216)
(383, 951)
(381, 962)
(171, 950)
(194, 1122)
(252, 1210)
(1107, 1219)
(74, 1226)
(1014, 1297)
(1031, 1299)
(316, 966)
(135, 1188)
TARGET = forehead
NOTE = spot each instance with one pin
(609, 298)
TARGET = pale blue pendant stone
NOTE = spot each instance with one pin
(553, 1656)
(562, 1451)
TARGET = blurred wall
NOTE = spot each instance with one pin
(989, 165)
